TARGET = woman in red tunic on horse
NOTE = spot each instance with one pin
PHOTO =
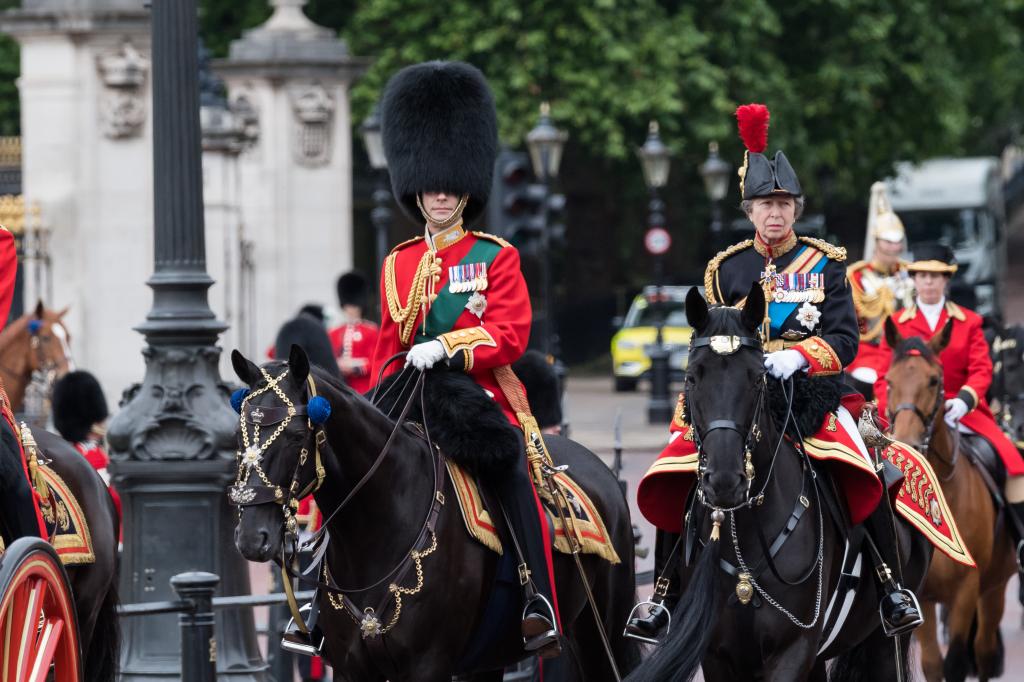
(966, 368)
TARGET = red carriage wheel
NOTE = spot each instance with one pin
(38, 626)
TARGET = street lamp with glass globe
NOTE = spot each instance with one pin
(715, 173)
(545, 144)
(381, 213)
(655, 159)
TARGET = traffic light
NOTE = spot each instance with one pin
(516, 210)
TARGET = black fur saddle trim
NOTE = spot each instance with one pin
(813, 399)
(467, 424)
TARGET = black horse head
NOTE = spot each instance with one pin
(277, 451)
(724, 385)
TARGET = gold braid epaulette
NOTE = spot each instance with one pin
(406, 243)
(405, 315)
(709, 273)
(836, 253)
(492, 237)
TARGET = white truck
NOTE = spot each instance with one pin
(958, 202)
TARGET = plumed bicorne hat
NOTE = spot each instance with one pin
(353, 289)
(78, 403)
(760, 176)
(440, 131)
(933, 257)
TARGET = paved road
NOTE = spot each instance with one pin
(592, 411)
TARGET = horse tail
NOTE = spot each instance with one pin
(103, 657)
(679, 656)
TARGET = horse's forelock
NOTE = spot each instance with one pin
(914, 346)
(724, 320)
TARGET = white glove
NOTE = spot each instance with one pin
(782, 363)
(955, 410)
(425, 355)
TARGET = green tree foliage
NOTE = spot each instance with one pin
(853, 84)
(10, 67)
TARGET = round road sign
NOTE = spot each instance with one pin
(657, 241)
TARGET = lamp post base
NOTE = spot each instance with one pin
(659, 407)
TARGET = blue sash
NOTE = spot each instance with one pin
(780, 312)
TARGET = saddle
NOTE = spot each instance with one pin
(987, 460)
(66, 524)
(586, 524)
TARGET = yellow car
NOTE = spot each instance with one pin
(631, 345)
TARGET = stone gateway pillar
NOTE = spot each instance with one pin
(291, 79)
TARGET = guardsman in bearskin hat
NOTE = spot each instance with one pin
(79, 414)
(354, 339)
(966, 371)
(879, 286)
(19, 505)
(457, 298)
(810, 326)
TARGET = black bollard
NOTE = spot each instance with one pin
(198, 643)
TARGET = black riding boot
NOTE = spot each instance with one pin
(516, 497)
(899, 608)
(1015, 512)
(651, 628)
(17, 508)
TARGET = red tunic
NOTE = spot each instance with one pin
(355, 342)
(8, 272)
(967, 373)
(498, 337)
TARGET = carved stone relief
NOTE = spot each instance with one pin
(313, 107)
(122, 105)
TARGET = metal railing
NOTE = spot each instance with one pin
(195, 607)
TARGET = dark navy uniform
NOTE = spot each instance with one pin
(810, 305)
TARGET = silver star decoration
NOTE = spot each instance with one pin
(251, 456)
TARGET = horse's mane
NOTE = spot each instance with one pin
(913, 346)
(13, 329)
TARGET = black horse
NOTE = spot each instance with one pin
(386, 519)
(725, 388)
(94, 585)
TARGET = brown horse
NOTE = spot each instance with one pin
(973, 597)
(35, 342)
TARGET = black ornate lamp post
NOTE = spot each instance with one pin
(546, 143)
(173, 442)
(715, 173)
(381, 214)
(655, 158)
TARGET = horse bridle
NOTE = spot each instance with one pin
(728, 345)
(927, 420)
(245, 494)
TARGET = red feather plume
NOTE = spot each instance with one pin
(752, 120)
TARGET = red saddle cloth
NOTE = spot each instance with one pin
(663, 490)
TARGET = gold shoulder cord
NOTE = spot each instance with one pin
(836, 253)
(712, 269)
(405, 316)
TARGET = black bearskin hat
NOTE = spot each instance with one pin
(760, 177)
(353, 289)
(78, 404)
(305, 331)
(440, 133)
(541, 384)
